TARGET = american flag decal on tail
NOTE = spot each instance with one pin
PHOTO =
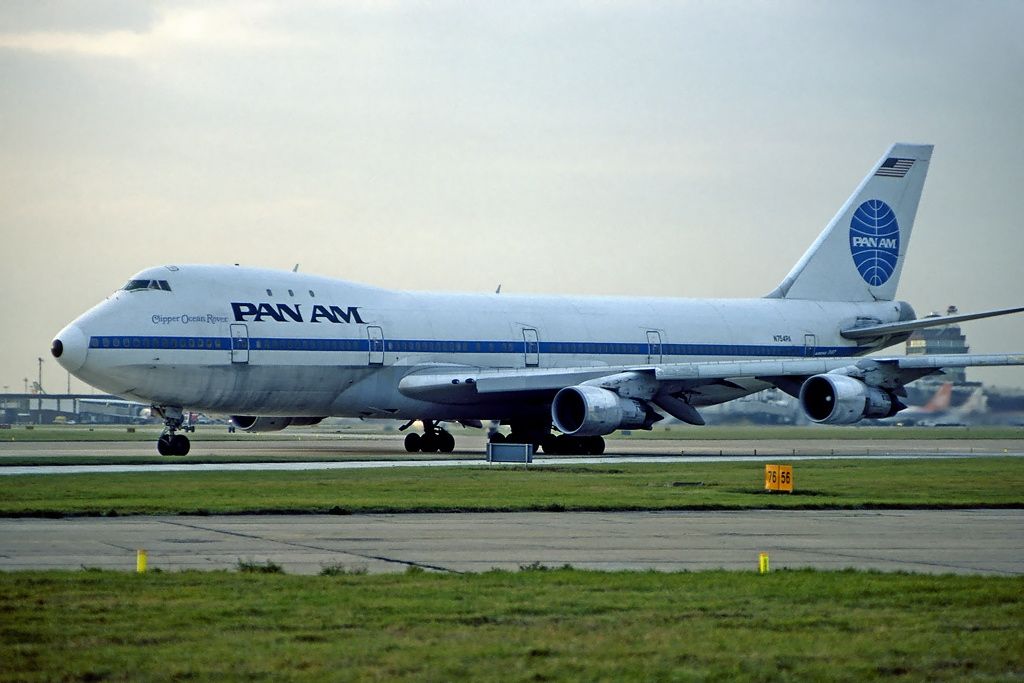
(894, 168)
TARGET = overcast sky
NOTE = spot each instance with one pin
(616, 147)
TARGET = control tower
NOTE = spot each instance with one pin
(943, 339)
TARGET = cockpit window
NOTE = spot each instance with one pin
(134, 285)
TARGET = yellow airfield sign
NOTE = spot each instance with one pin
(778, 478)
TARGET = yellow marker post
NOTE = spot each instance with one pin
(140, 561)
(762, 563)
(778, 478)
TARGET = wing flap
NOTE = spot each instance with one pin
(956, 360)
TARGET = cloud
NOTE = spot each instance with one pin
(230, 26)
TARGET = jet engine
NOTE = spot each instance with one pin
(593, 411)
(252, 423)
(843, 400)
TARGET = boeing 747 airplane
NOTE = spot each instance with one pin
(275, 348)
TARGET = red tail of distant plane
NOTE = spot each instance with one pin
(941, 400)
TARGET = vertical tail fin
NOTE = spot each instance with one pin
(941, 400)
(859, 255)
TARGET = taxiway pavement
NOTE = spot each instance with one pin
(363, 451)
(932, 541)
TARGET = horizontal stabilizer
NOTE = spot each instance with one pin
(872, 331)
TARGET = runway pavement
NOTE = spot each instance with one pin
(351, 452)
(932, 541)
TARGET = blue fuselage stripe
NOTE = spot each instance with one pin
(190, 343)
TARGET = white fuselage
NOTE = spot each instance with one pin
(247, 341)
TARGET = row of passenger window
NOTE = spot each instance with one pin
(308, 344)
(158, 343)
(454, 347)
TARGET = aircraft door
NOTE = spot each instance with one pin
(810, 345)
(239, 344)
(653, 346)
(532, 347)
(375, 335)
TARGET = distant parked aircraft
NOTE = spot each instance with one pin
(938, 404)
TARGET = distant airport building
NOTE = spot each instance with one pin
(944, 339)
(70, 408)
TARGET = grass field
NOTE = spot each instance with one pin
(977, 482)
(501, 626)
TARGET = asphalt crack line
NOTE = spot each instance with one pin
(119, 547)
(308, 546)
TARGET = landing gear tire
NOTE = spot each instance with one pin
(429, 443)
(497, 437)
(412, 442)
(446, 442)
(180, 444)
(173, 444)
(595, 445)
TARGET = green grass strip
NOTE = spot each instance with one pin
(820, 484)
(500, 626)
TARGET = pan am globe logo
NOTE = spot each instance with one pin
(875, 241)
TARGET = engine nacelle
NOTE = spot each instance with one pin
(593, 411)
(252, 423)
(843, 400)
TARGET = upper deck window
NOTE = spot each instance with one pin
(135, 285)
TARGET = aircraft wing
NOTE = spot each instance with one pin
(880, 330)
(449, 384)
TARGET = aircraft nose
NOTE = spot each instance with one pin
(70, 347)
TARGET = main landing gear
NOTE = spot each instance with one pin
(551, 444)
(432, 440)
(169, 442)
(572, 445)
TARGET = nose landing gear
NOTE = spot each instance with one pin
(432, 440)
(169, 442)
